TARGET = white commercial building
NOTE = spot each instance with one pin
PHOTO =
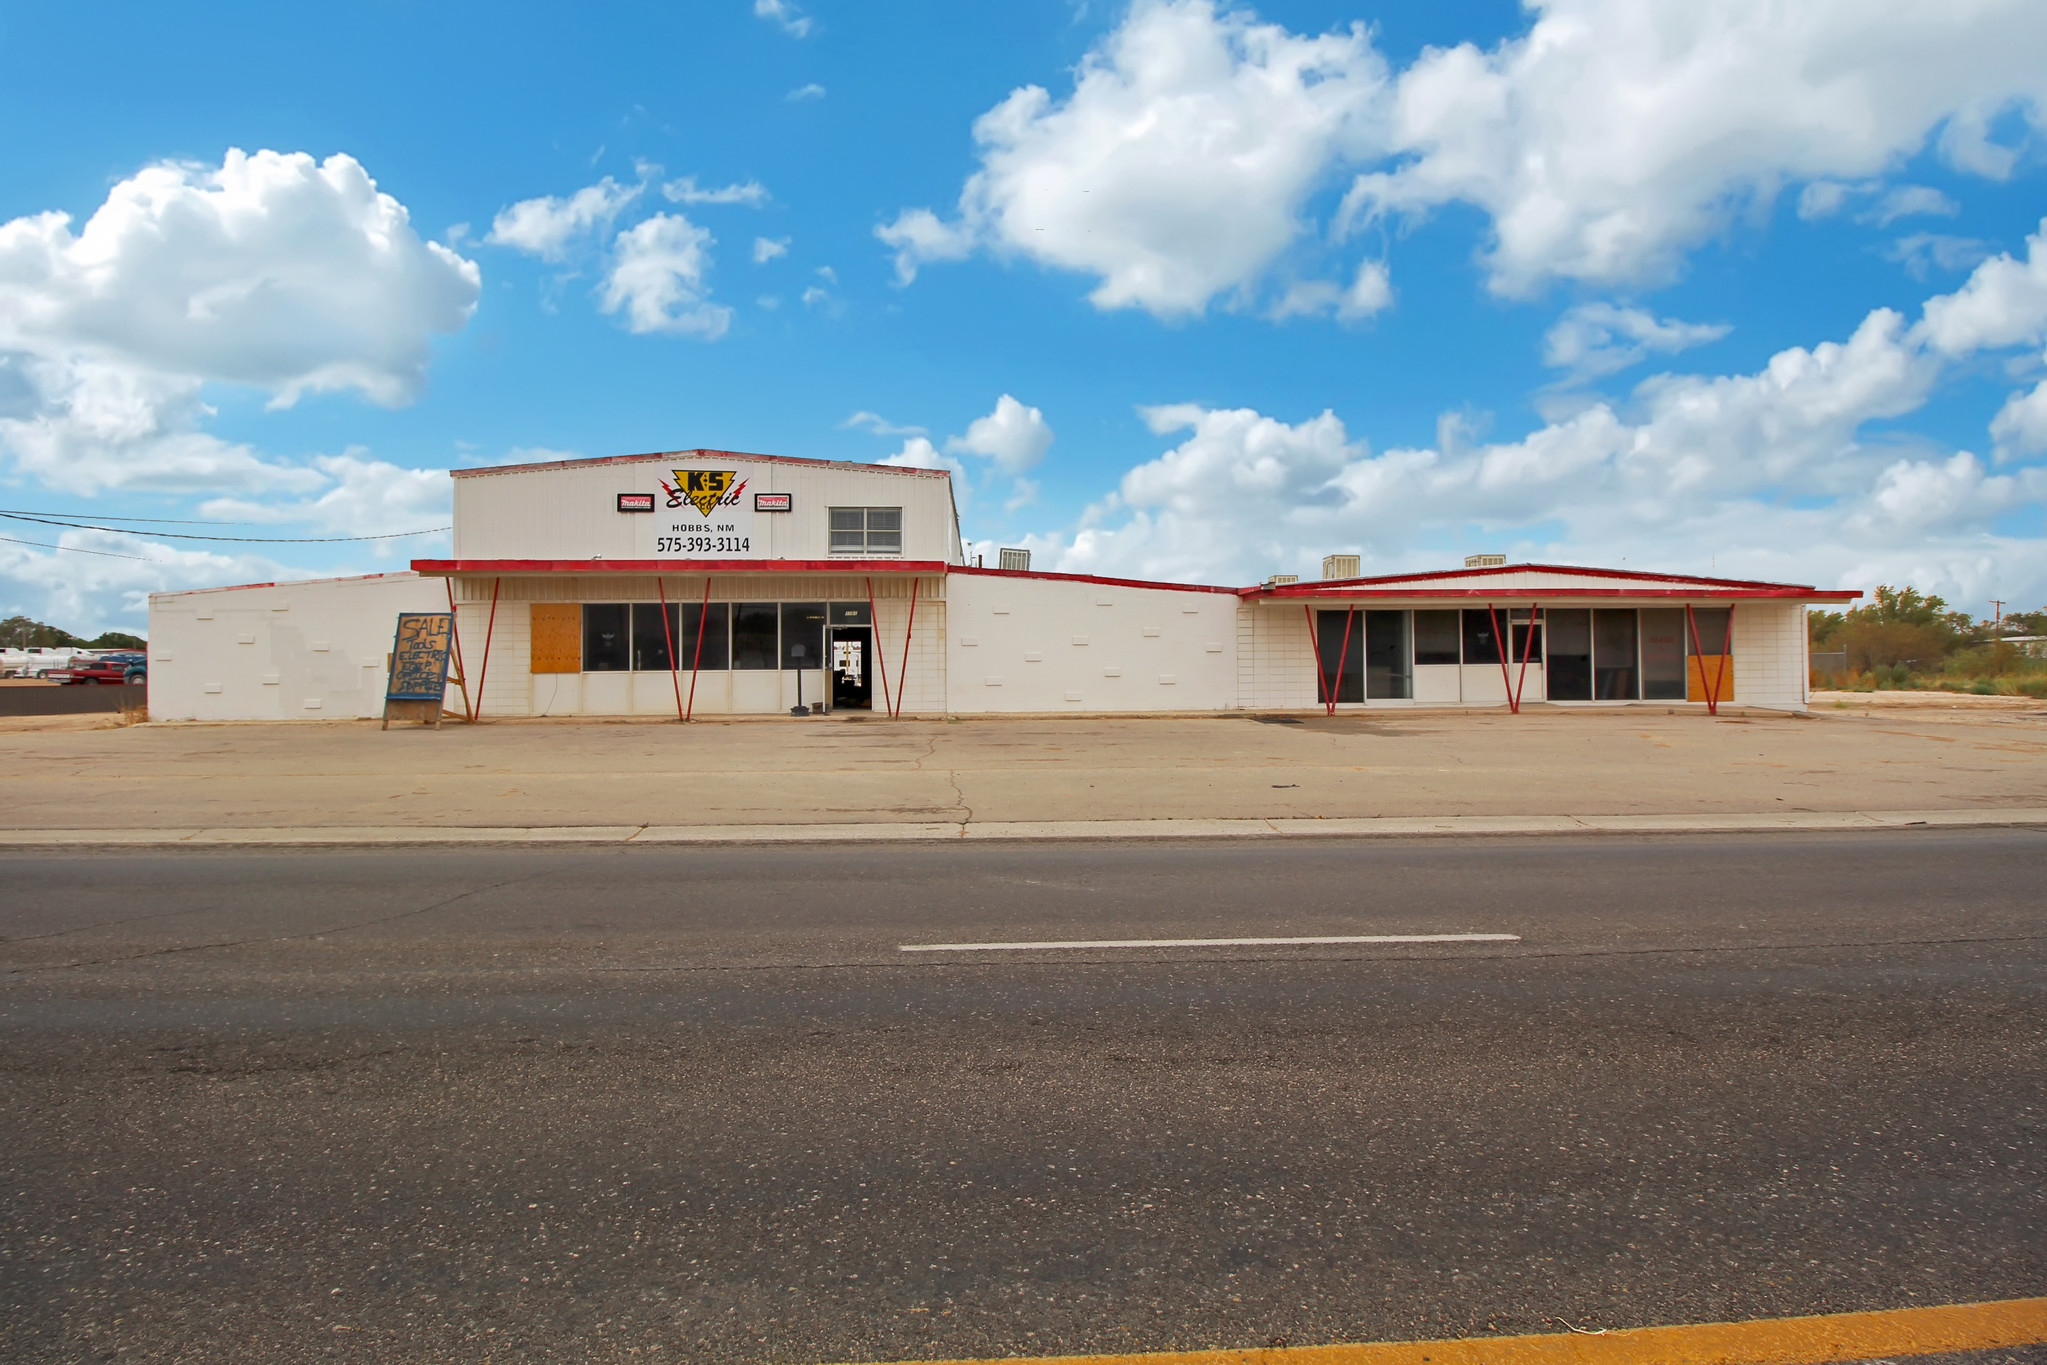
(706, 582)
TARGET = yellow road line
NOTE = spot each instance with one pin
(1768, 1341)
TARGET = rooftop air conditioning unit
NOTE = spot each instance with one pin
(1019, 560)
(1340, 566)
(1280, 580)
(1484, 561)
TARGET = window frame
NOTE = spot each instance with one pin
(867, 530)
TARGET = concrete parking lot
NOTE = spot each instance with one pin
(1649, 760)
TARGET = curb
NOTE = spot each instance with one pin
(1376, 827)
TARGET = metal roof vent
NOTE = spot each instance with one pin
(1280, 580)
(1484, 561)
(1340, 566)
(1019, 560)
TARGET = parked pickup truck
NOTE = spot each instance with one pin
(111, 668)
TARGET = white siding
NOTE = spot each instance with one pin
(285, 651)
(1281, 663)
(1770, 667)
(570, 512)
(1034, 644)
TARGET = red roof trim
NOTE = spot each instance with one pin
(1090, 578)
(697, 454)
(1497, 570)
(1779, 593)
(659, 566)
(278, 583)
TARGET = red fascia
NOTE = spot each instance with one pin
(1090, 578)
(1357, 591)
(660, 566)
(1500, 570)
(698, 454)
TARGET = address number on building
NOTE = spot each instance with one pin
(703, 545)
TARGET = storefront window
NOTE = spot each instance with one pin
(651, 634)
(1569, 674)
(1613, 654)
(1340, 636)
(715, 650)
(1435, 637)
(803, 634)
(1663, 654)
(1481, 638)
(754, 634)
(1387, 676)
(605, 631)
(1711, 624)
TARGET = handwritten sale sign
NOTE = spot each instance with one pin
(419, 656)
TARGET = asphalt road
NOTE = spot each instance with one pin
(681, 1104)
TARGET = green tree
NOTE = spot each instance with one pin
(1904, 626)
(19, 632)
(118, 639)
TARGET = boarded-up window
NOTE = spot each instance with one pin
(557, 637)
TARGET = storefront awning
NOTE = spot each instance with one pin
(438, 568)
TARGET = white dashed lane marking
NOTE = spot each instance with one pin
(1303, 940)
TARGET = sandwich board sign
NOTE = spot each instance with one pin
(419, 666)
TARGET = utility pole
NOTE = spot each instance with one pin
(1997, 626)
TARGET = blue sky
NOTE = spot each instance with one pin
(1180, 290)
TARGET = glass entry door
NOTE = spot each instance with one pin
(852, 651)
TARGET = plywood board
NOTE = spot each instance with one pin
(1703, 670)
(557, 637)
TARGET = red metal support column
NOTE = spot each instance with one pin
(1719, 667)
(455, 638)
(668, 634)
(489, 626)
(1336, 688)
(903, 674)
(1504, 645)
(880, 661)
(696, 660)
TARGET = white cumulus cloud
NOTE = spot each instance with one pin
(549, 225)
(2002, 303)
(765, 249)
(1179, 167)
(1613, 135)
(2020, 427)
(785, 16)
(657, 279)
(750, 193)
(1604, 142)
(1601, 338)
(272, 271)
(1770, 474)
(1014, 436)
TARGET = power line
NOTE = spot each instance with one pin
(73, 549)
(152, 521)
(238, 540)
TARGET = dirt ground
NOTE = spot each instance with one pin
(1876, 752)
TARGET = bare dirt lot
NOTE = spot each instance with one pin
(1864, 754)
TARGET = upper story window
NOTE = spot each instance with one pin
(867, 530)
